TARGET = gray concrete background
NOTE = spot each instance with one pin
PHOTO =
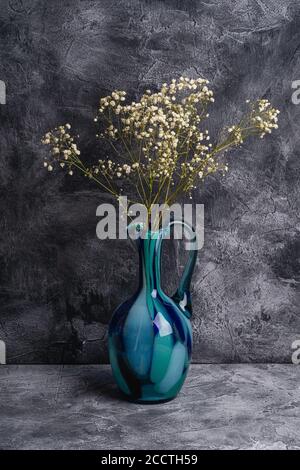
(59, 284)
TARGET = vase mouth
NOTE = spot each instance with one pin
(144, 231)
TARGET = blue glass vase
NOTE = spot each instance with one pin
(150, 335)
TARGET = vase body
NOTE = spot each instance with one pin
(150, 335)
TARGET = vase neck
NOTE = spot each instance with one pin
(149, 264)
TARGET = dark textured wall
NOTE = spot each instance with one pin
(59, 284)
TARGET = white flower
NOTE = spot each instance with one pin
(164, 131)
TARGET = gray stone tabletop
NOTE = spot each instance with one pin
(220, 407)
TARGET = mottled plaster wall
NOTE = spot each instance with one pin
(59, 284)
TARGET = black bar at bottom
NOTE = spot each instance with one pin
(138, 458)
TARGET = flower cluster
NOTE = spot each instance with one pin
(64, 150)
(159, 142)
(162, 125)
(261, 120)
(112, 169)
(264, 117)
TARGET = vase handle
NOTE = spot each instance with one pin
(182, 296)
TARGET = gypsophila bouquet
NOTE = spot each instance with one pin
(159, 145)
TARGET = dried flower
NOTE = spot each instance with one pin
(167, 150)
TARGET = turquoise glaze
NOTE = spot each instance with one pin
(150, 336)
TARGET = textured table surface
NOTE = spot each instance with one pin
(220, 407)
